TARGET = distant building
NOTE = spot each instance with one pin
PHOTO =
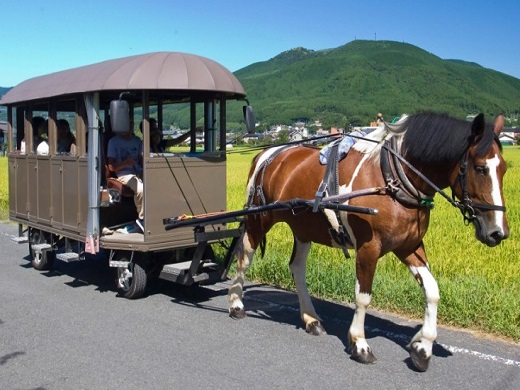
(296, 135)
(509, 136)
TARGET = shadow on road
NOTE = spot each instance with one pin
(261, 301)
(282, 306)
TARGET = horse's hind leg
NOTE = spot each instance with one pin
(298, 269)
(422, 343)
(244, 254)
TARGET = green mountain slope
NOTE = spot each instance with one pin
(351, 83)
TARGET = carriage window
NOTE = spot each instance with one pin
(172, 135)
(15, 135)
(38, 121)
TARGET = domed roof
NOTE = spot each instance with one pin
(162, 70)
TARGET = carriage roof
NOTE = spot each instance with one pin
(152, 71)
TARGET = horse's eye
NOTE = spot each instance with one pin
(482, 169)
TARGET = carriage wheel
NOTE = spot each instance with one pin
(40, 260)
(131, 280)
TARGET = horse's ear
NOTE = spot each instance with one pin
(498, 124)
(478, 126)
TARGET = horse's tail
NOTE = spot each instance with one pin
(239, 249)
(262, 246)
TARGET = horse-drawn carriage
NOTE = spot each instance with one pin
(72, 207)
(375, 200)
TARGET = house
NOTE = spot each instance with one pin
(509, 136)
(296, 135)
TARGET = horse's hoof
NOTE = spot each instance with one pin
(419, 359)
(237, 313)
(364, 356)
(315, 328)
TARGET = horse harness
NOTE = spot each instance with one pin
(399, 187)
(330, 186)
(398, 184)
(258, 189)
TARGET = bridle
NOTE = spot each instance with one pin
(467, 206)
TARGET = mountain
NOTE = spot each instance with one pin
(3, 91)
(352, 83)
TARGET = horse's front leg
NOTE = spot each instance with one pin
(422, 343)
(244, 255)
(365, 269)
(298, 268)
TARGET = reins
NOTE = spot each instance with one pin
(467, 206)
(302, 141)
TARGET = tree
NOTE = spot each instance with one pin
(283, 137)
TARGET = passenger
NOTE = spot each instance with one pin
(39, 125)
(66, 140)
(157, 143)
(124, 158)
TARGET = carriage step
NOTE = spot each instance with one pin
(177, 271)
(69, 256)
(19, 239)
(41, 247)
(118, 264)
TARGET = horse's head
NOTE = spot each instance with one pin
(478, 182)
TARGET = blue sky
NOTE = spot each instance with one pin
(39, 37)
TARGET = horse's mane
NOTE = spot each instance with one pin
(428, 138)
(438, 138)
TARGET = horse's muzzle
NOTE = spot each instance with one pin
(489, 236)
(494, 238)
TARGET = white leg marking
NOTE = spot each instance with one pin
(493, 164)
(357, 328)
(428, 333)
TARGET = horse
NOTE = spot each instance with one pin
(395, 170)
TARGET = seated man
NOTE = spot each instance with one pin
(124, 157)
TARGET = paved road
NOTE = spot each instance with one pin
(67, 329)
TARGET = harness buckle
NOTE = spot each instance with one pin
(319, 196)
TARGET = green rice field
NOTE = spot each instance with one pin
(480, 286)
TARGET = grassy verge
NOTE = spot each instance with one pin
(480, 286)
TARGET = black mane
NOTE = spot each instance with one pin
(439, 139)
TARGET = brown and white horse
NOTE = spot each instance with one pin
(434, 152)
